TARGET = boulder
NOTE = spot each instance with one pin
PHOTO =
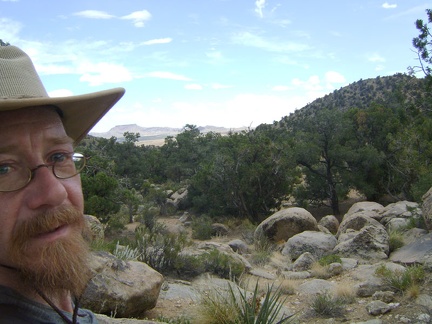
(362, 237)
(286, 223)
(119, 288)
(401, 210)
(330, 222)
(369, 208)
(317, 243)
(96, 229)
(239, 246)
(177, 197)
(304, 262)
(417, 252)
(427, 209)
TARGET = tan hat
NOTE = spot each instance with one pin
(21, 87)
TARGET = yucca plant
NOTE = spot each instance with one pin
(260, 308)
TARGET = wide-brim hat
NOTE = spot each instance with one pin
(21, 87)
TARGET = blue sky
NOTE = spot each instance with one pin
(230, 63)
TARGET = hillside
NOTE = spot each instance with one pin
(398, 89)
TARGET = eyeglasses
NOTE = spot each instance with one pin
(15, 176)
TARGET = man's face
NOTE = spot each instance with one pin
(40, 224)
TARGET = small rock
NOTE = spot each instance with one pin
(378, 307)
(385, 296)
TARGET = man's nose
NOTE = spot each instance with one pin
(45, 189)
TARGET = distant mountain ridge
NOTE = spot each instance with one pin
(157, 133)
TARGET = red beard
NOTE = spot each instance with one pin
(58, 266)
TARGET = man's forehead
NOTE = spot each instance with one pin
(31, 122)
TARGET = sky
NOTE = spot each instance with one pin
(228, 63)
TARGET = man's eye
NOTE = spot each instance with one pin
(58, 157)
(5, 169)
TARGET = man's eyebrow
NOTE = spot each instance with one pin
(53, 141)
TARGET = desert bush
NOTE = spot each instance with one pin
(160, 249)
(202, 228)
(189, 266)
(327, 305)
(260, 258)
(222, 264)
(395, 240)
(401, 281)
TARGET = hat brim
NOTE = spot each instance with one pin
(80, 113)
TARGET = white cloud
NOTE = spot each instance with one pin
(335, 77)
(193, 86)
(138, 17)
(280, 88)
(387, 5)
(101, 73)
(157, 41)
(259, 6)
(249, 39)
(167, 75)
(375, 57)
(94, 14)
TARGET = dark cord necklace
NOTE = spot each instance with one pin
(58, 311)
(54, 307)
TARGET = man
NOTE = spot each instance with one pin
(43, 257)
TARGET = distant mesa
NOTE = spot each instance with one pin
(157, 135)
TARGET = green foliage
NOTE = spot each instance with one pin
(244, 174)
(401, 281)
(222, 264)
(158, 248)
(328, 259)
(327, 305)
(202, 228)
(423, 45)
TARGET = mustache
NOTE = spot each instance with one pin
(47, 222)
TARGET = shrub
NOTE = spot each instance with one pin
(401, 281)
(202, 228)
(395, 240)
(222, 264)
(189, 265)
(326, 305)
(260, 258)
(160, 249)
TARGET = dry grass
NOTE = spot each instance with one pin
(320, 271)
(345, 292)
